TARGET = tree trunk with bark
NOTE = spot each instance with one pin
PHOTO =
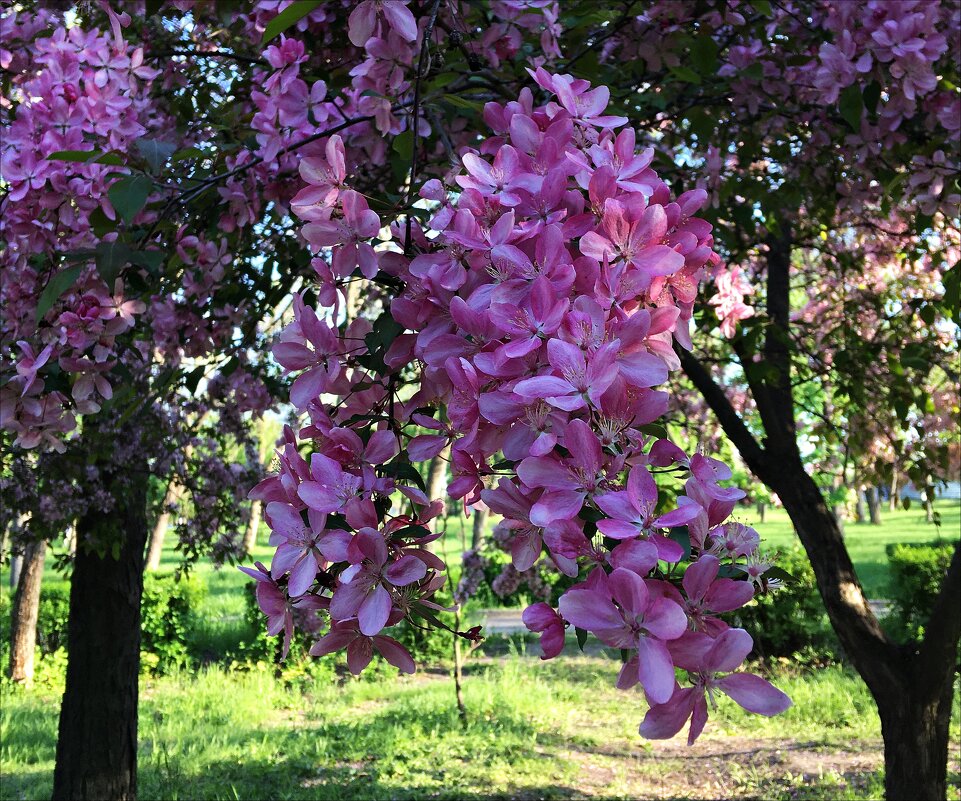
(97, 739)
(912, 685)
(160, 530)
(860, 515)
(761, 511)
(437, 487)
(481, 516)
(23, 616)
(874, 505)
(893, 499)
(253, 526)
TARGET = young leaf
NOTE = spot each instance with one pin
(851, 104)
(110, 259)
(59, 284)
(289, 16)
(129, 195)
(155, 152)
(86, 157)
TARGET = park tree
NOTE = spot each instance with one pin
(477, 214)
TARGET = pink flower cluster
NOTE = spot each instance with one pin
(81, 86)
(541, 308)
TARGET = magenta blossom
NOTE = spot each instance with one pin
(634, 620)
(540, 617)
(366, 591)
(704, 658)
(360, 647)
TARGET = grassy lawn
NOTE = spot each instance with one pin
(866, 543)
(534, 730)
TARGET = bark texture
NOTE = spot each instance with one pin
(97, 739)
(911, 684)
(23, 615)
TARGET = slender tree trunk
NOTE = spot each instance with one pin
(97, 740)
(437, 485)
(481, 516)
(160, 529)
(16, 564)
(761, 511)
(874, 505)
(437, 476)
(26, 607)
(859, 512)
(459, 671)
(253, 526)
(893, 500)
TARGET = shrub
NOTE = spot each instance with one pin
(52, 617)
(917, 572)
(168, 601)
(790, 621)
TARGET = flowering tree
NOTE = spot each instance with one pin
(484, 259)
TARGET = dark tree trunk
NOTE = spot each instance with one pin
(915, 732)
(761, 511)
(23, 616)
(911, 685)
(874, 505)
(97, 740)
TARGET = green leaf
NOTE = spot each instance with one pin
(110, 258)
(193, 379)
(403, 469)
(129, 195)
(150, 260)
(763, 7)
(155, 152)
(152, 7)
(871, 96)
(187, 153)
(682, 537)
(462, 102)
(86, 157)
(952, 292)
(686, 74)
(295, 12)
(781, 574)
(581, 636)
(851, 106)
(704, 54)
(59, 284)
(403, 145)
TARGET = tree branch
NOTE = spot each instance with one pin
(726, 414)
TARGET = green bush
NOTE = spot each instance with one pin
(168, 601)
(790, 622)
(917, 572)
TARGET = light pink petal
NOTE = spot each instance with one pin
(755, 694)
(405, 570)
(374, 611)
(665, 619)
(655, 669)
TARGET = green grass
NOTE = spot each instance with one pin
(865, 542)
(534, 730)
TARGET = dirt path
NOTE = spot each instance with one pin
(728, 767)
